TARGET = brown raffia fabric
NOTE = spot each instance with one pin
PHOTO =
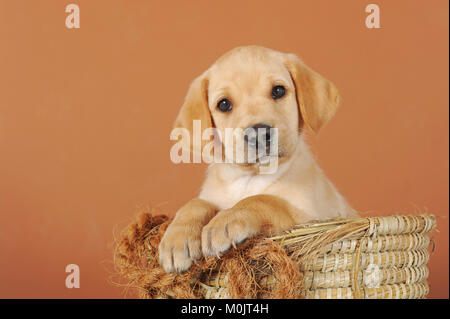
(136, 260)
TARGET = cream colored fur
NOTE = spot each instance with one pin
(236, 201)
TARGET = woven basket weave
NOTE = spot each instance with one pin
(368, 258)
(377, 258)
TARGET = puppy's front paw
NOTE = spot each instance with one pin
(226, 229)
(179, 247)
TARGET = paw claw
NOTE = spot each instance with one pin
(178, 249)
(224, 232)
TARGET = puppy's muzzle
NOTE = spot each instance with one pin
(259, 136)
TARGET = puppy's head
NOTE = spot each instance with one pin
(251, 88)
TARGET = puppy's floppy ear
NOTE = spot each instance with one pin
(195, 107)
(317, 98)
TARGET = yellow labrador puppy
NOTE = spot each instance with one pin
(254, 87)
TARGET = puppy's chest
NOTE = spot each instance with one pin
(242, 187)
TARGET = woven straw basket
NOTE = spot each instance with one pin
(381, 258)
(367, 258)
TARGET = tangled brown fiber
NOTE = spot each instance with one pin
(323, 259)
(136, 260)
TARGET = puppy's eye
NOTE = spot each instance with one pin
(278, 92)
(224, 105)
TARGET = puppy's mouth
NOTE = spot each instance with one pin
(263, 156)
(255, 147)
(269, 156)
(261, 142)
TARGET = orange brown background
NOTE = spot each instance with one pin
(85, 116)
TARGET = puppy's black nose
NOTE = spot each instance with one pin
(258, 135)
